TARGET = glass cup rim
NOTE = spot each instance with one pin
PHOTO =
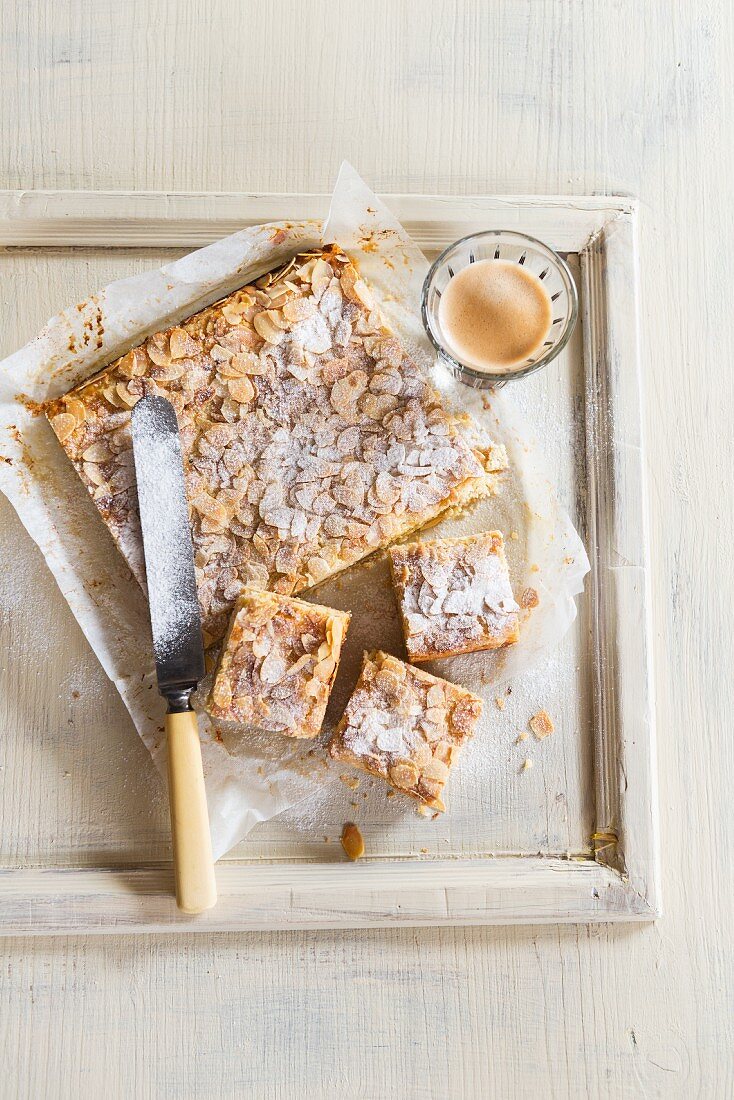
(496, 378)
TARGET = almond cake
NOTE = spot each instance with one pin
(454, 595)
(405, 726)
(310, 436)
(278, 664)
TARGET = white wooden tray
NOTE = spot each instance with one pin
(82, 820)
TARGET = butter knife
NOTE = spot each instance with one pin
(177, 640)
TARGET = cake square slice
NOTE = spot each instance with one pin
(278, 664)
(405, 726)
(454, 595)
(310, 436)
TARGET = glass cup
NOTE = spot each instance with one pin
(502, 244)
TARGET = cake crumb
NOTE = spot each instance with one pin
(529, 599)
(424, 851)
(514, 536)
(499, 702)
(522, 736)
(541, 724)
(424, 811)
(526, 764)
(390, 794)
(350, 781)
(352, 841)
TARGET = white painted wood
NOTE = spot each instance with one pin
(624, 714)
(168, 220)
(625, 828)
(286, 896)
(515, 96)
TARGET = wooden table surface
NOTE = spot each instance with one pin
(448, 96)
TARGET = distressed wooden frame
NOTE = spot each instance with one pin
(621, 881)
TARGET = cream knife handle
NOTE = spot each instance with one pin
(196, 887)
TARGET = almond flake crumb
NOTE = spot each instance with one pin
(541, 724)
(526, 764)
(522, 736)
(352, 841)
(350, 781)
(424, 811)
(499, 702)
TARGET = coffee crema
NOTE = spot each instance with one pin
(494, 315)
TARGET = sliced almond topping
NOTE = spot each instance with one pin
(404, 775)
(346, 391)
(63, 424)
(213, 509)
(124, 395)
(232, 312)
(222, 693)
(318, 568)
(273, 669)
(363, 294)
(157, 355)
(265, 327)
(94, 473)
(443, 751)
(220, 354)
(436, 769)
(262, 645)
(98, 452)
(241, 389)
(182, 345)
(435, 696)
(299, 309)
(324, 670)
(320, 276)
(76, 408)
(334, 632)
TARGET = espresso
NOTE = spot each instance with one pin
(494, 315)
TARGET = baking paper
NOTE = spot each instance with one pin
(251, 777)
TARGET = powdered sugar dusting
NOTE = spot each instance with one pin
(174, 609)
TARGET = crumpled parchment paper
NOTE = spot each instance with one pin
(250, 777)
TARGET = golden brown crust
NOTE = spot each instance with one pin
(405, 726)
(454, 596)
(310, 436)
(278, 664)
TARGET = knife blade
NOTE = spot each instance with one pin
(169, 554)
(177, 640)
